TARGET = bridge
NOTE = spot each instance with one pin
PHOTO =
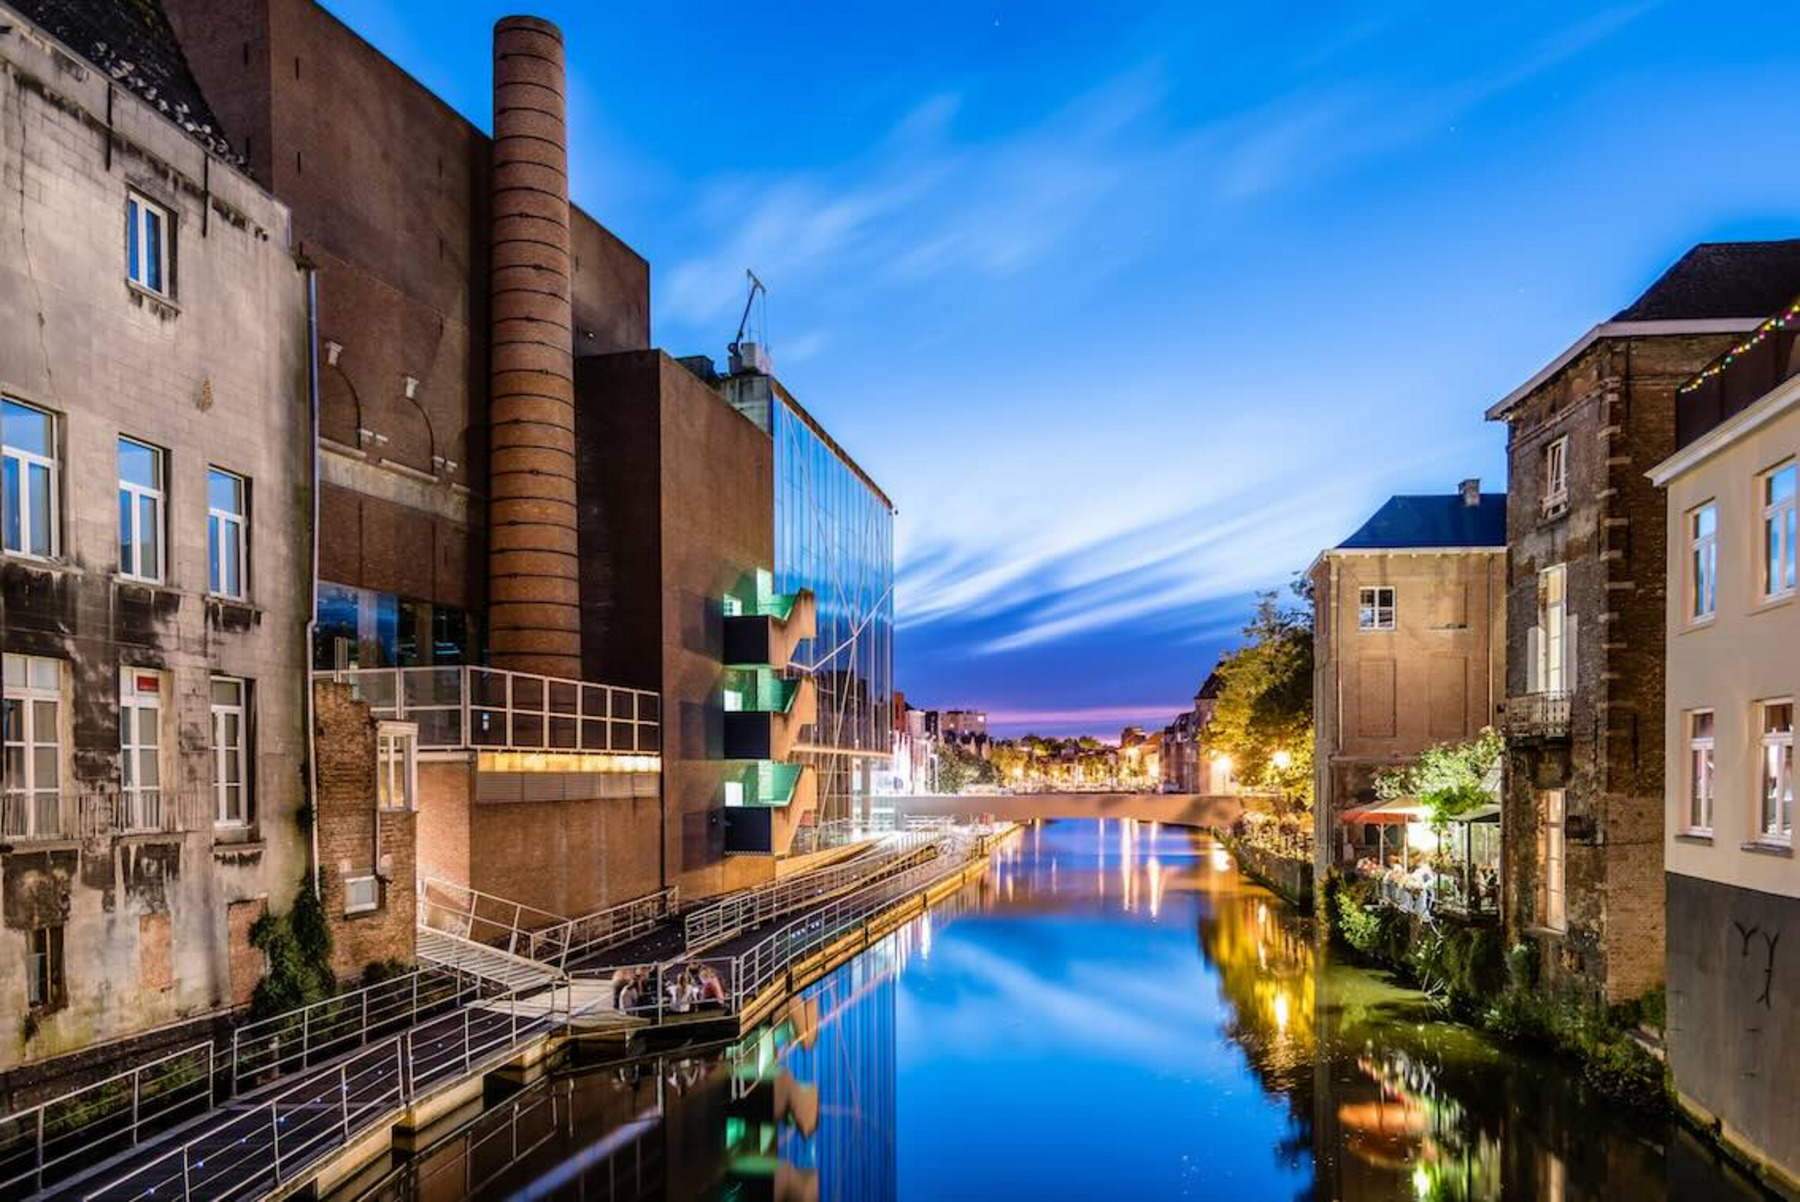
(1180, 809)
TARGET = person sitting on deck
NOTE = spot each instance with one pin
(712, 989)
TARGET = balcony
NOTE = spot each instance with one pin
(764, 714)
(768, 631)
(49, 814)
(1538, 716)
(776, 800)
(486, 709)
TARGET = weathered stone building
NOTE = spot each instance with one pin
(1733, 637)
(1409, 648)
(1582, 826)
(156, 549)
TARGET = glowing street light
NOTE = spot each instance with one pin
(1282, 760)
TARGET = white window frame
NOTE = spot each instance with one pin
(142, 805)
(1703, 564)
(1775, 774)
(1556, 474)
(397, 766)
(1556, 861)
(27, 460)
(1553, 619)
(1701, 787)
(139, 210)
(361, 882)
(1778, 533)
(223, 815)
(36, 806)
(1371, 614)
(139, 494)
(222, 523)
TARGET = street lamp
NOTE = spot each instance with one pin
(1282, 760)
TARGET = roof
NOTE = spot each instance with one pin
(132, 43)
(1211, 688)
(1722, 279)
(1715, 288)
(1408, 523)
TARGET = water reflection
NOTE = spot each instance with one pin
(1112, 1012)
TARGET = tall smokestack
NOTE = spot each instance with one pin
(534, 606)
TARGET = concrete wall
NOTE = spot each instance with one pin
(156, 925)
(1380, 697)
(389, 188)
(1615, 402)
(676, 495)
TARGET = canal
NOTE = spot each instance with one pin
(1113, 1012)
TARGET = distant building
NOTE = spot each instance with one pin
(1582, 816)
(1733, 639)
(964, 722)
(1408, 647)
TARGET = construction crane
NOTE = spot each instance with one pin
(749, 356)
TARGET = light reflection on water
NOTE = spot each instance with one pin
(1113, 1012)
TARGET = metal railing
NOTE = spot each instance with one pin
(538, 935)
(287, 1043)
(732, 916)
(1539, 715)
(258, 1146)
(487, 709)
(49, 1140)
(30, 815)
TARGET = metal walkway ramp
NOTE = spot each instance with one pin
(488, 963)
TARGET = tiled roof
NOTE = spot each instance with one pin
(1435, 521)
(1722, 279)
(132, 42)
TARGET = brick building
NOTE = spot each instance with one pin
(1733, 636)
(153, 581)
(1582, 825)
(1408, 647)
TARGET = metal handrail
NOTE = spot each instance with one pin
(616, 924)
(257, 1148)
(733, 915)
(504, 926)
(142, 1096)
(286, 1043)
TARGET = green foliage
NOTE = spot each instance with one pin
(1612, 1061)
(1264, 709)
(959, 768)
(377, 971)
(298, 948)
(1447, 778)
(1623, 1070)
(1522, 966)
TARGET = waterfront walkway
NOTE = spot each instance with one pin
(283, 1135)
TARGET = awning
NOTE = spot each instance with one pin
(1397, 812)
(1486, 813)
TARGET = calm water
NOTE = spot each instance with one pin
(1113, 1013)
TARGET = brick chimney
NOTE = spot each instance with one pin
(534, 606)
(1471, 493)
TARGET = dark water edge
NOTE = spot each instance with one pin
(1113, 1012)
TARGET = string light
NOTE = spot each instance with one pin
(1779, 322)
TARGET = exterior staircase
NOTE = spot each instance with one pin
(488, 963)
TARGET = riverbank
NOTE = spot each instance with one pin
(1288, 877)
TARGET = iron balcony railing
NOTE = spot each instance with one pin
(68, 814)
(487, 709)
(52, 1140)
(1539, 715)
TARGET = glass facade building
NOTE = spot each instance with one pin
(834, 535)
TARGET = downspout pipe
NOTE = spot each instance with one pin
(312, 595)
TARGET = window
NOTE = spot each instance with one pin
(1778, 531)
(231, 758)
(140, 748)
(140, 510)
(734, 794)
(1776, 793)
(1375, 610)
(1700, 772)
(1556, 475)
(33, 739)
(1703, 562)
(1555, 915)
(227, 537)
(1553, 651)
(361, 894)
(147, 244)
(29, 466)
(396, 766)
(44, 968)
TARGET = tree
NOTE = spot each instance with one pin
(1263, 719)
(959, 768)
(1450, 778)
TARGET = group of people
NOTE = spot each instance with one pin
(695, 987)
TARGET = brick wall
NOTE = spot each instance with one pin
(347, 823)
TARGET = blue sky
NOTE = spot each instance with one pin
(1133, 308)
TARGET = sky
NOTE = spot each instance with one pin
(1133, 308)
